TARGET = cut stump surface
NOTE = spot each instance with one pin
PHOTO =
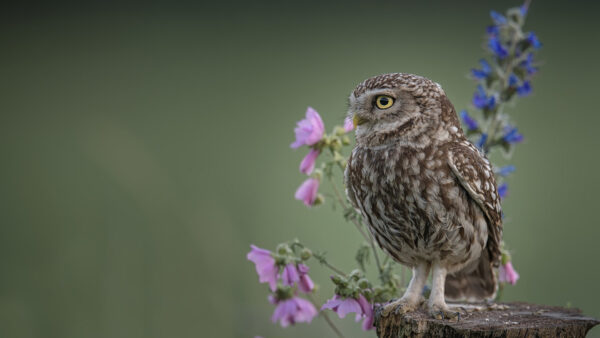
(518, 320)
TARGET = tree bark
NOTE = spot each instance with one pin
(517, 320)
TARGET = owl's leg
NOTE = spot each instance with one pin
(436, 305)
(412, 297)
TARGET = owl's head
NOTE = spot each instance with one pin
(391, 107)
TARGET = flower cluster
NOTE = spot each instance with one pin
(502, 77)
(310, 132)
(286, 274)
(360, 306)
(352, 294)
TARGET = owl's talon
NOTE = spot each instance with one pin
(399, 307)
(442, 312)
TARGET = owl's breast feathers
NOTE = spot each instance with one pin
(407, 195)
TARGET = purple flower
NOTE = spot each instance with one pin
(506, 170)
(484, 72)
(482, 141)
(305, 284)
(503, 190)
(368, 311)
(511, 135)
(523, 9)
(528, 64)
(290, 275)
(482, 101)
(496, 47)
(293, 310)
(508, 274)
(308, 163)
(307, 192)
(470, 122)
(265, 266)
(533, 40)
(513, 80)
(348, 124)
(492, 30)
(524, 89)
(498, 18)
(310, 130)
(360, 306)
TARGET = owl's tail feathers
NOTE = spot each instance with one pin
(475, 283)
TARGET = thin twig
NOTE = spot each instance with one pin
(333, 268)
(326, 317)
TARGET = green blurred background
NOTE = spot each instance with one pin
(145, 146)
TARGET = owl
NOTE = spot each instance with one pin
(427, 194)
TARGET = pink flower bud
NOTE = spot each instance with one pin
(290, 275)
(308, 163)
(307, 192)
(508, 274)
(305, 284)
(348, 125)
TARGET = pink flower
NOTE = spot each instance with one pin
(310, 130)
(508, 274)
(361, 307)
(305, 284)
(308, 163)
(293, 310)
(290, 275)
(307, 192)
(348, 124)
(265, 266)
(368, 311)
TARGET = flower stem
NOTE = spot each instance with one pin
(333, 268)
(326, 317)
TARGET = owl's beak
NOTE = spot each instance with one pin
(357, 120)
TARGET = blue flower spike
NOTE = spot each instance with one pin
(506, 170)
(482, 141)
(503, 190)
(524, 89)
(470, 122)
(528, 64)
(533, 40)
(497, 48)
(498, 18)
(513, 80)
(482, 101)
(484, 72)
(511, 135)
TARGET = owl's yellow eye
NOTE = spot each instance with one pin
(384, 101)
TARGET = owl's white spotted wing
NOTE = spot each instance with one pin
(475, 174)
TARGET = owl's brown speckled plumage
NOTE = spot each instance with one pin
(426, 193)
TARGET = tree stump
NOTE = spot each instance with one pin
(517, 320)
